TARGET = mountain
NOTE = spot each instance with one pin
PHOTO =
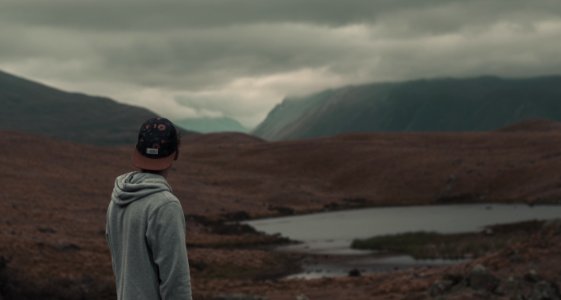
(206, 125)
(32, 107)
(474, 104)
(533, 125)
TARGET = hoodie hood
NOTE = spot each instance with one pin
(137, 185)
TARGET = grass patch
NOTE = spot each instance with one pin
(274, 267)
(421, 245)
(432, 245)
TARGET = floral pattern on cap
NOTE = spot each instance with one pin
(157, 138)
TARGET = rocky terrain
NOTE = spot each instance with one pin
(55, 193)
(528, 270)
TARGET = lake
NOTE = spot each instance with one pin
(332, 232)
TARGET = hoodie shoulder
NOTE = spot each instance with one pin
(134, 186)
(163, 198)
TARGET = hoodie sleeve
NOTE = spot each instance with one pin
(166, 238)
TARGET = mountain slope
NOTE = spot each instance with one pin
(206, 125)
(32, 107)
(474, 104)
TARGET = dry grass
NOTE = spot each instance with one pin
(54, 193)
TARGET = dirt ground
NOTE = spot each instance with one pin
(54, 198)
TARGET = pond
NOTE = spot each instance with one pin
(332, 232)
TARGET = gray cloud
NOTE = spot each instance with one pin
(155, 15)
(146, 15)
(240, 57)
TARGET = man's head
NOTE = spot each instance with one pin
(157, 146)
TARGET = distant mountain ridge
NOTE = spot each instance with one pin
(32, 107)
(473, 104)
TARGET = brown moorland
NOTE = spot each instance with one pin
(55, 193)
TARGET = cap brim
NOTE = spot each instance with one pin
(145, 163)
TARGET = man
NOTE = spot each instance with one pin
(145, 226)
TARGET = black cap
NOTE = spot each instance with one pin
(157, 145)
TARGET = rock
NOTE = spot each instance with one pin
(545, 290)
(445, 284)
(456, 278)
(236, 216)
(282, 210)
(511, 284)
(3, 275)
(440, 287)
(481, 279)
(532, 276)
(197, 265)
(228, 228)
(355, 273)
(3, 262)
(46, 229)
(553, 226)
(67, 247)
(302, 297)
(514, 256)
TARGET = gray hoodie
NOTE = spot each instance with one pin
(146, 235)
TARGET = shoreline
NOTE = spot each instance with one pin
(343, 208)
(489, 239)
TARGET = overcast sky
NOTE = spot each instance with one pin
(239, 58)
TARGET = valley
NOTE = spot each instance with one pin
(55, 194)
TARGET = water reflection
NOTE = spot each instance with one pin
(332, 232)
(328, 235)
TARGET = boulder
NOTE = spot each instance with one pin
(355, 273)
(441, 287)
(445, 284)
(532, 276)
(482, 280)
(545, 290)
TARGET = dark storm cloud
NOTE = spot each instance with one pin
(143, 15)
(156, 15)
(240, 57)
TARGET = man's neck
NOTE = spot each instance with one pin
(163, 173)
